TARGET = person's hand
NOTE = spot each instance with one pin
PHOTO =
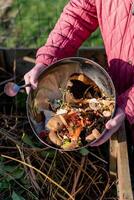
(111, 127)
(32, 76)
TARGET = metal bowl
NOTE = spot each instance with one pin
(50, 82)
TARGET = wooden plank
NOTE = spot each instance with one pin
(22, 66)
(124, 181)
(16, 56)
(96, 54)
(113, 156)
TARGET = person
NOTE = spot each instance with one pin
(79, 19)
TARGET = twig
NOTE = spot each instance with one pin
(33, 177)
(63, 177)
(77, 191)
(4, 132)
(51, 164)
(98, 157)
(83, 171)
(6, 81)
(107, 186)
(43, 174)
(22, 157)
(77, 175)
(28, 59)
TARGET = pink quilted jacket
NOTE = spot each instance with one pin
(78, 20)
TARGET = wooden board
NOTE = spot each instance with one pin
(113, 156)
(119, 164)
(124, 181)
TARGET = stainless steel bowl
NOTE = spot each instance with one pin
(50, 82)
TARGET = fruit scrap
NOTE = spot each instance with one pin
(94, 135)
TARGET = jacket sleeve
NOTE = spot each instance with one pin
(77, 21)
(126, 102)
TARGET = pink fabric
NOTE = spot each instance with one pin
(78, 20)
(72, 29)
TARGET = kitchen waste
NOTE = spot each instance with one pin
(78, 117)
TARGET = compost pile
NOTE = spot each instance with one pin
(79, 117)
(32, 171)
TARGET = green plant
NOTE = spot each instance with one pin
(30, 22)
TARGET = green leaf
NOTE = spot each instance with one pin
(84, 151)
(10, 168)
(50, 153)
(15, 196)
(13, 171)
(4, 184)
(18, 173)
(2, 168)
(27, 140)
